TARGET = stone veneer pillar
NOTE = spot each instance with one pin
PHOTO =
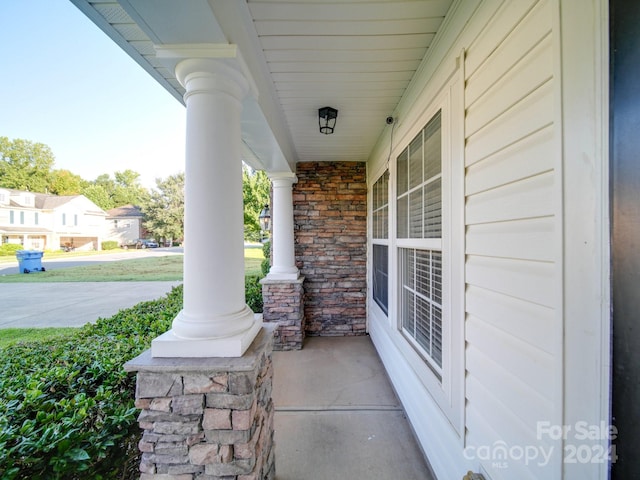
(282, 289)
(283, 304)
(207, 418)
(205, 386)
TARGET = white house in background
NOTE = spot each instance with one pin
(489, 279)
(39, 221)
(124, 225)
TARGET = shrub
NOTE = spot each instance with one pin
(66, 405)
(266, 263)
(253, 293)
(10, 249)
(109, 245)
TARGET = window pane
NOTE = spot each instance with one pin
(433, 147)
(403, 217)
(381, 276)
(423, 273)
(419, 200)
(421, 301)
(415, 161)
(415, 214)
(403, 172)
(436, 266)
(380, 199)
(433, 209)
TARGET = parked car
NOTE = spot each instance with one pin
(148, 244)
(140, 243)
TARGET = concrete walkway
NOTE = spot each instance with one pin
(24, 305)
(337, 416)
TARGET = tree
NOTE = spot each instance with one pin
(63, 182)
(25, 165)
(256, 189)
(123, 189)
(164, 208)
(98, 195)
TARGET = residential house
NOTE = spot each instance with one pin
(40, 221)
(460, 212)
(124, 225)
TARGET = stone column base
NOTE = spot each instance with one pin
(207, 418)
(283, 304)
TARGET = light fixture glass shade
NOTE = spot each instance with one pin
(265, 219)
(327, 119)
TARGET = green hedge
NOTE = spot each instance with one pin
(253, 292)
(67, 406)
(9, 249)
(266, 263)
(109, 245)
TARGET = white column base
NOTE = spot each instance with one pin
(169, 345)
(283, 275)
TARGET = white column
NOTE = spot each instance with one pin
(282, 243)
(215, 320)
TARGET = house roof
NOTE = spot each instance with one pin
(50, 202)
(46, 201)
(125, 211)
(356, 56)
(42, 201)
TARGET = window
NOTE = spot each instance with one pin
(380, 203)
(75, 220)
(419, 184)
(419, 217)
(421, 302)
(12, 215)
(21, 218)
(35, 218)
(64, 219)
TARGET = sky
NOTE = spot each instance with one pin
(64, 83)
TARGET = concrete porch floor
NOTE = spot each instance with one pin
(337, 416)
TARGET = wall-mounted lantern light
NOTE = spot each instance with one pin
(265, 219)
(327, 119)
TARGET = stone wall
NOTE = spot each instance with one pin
(207, 418)
(330, 218)
(283, 303)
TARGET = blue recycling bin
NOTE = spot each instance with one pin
(30, 261)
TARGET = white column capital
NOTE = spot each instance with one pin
(282, 179)
(204, 60)
(201, 75)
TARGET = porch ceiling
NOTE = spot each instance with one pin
(357, 56)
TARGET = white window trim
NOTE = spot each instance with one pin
(448, 393)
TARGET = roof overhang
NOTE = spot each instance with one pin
(358, 57)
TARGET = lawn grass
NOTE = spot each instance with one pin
(168, 268)
(141, 269)
(9, 336)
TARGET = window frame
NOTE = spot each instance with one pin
(448, 389)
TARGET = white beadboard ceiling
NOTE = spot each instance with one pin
(357, 56)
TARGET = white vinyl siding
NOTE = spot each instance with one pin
(511, 233)
(533, 235)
